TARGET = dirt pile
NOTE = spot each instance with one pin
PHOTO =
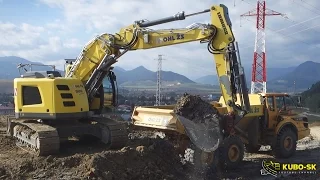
(157, 161)
(147, 156)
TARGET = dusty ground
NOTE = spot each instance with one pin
(143, 158)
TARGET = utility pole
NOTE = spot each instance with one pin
(158, 94)
(259, 74)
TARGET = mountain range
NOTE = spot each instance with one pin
(272, 74)
(299, 77)
(279, 79)
(9, 71)
(142, 74)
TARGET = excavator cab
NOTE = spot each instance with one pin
(110, 90)
(106, 98)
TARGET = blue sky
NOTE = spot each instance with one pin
(50, 30)
(30, 12)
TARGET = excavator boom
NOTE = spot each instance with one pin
(103, 51)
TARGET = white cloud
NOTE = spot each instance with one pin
(83, 19)
(33, 42)
(19, 35)
(72, 43)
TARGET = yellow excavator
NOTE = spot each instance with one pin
(50, 107)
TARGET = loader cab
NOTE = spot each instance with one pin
(280, 104)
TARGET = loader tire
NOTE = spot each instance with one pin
(286, 143)
(204, 160)
(231, 152)
(253, 137)
(204, 163)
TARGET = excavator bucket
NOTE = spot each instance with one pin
(206, 136)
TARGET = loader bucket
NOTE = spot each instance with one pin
(206, 136)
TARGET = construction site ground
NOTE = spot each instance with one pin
(144, 158)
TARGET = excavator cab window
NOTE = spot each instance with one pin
(110, 90)
(107, 87)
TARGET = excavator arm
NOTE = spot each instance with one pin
(97, 57)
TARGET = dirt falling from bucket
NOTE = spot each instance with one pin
(200, 112)
(197, 110)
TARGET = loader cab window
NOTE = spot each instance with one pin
(270, 103)
(290, 104)
(280, 104)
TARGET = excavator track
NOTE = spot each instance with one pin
(34, 137)
(113, 133)
(42, 139)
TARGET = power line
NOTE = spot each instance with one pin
(306, 7)
(299, 23)
(310, 5)
(284, 35)
(303, 30)
(276, 31)
(296, 23)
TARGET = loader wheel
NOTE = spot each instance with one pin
(204, 160)
(286, 143)
(204, 163)
(231, 152)
(253, 137)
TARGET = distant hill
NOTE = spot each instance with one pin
(117, 68)
(209, 79)
(304, 76)
(9, 71)
(311, 97)
(272, 73)
(6, 86)
(9, 65)
(281, 79)
(142, 74)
